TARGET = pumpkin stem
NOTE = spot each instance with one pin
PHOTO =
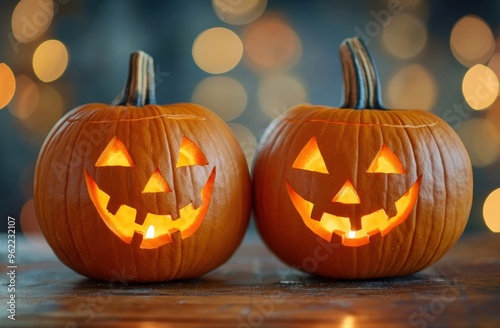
(361, 87)
(140, 87)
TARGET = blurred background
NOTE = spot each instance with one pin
(248, 61)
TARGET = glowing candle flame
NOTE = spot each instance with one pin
(150, 234)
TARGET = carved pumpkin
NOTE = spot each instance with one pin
(152, 192)
(361, 191)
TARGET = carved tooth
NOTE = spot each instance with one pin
(373, 222)
(125, 216)
(188, 214)
(335, 223)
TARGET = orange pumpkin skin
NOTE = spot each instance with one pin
(91, 238)
(309, 218)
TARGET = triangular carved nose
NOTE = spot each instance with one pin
(156, 183)
(347, 194)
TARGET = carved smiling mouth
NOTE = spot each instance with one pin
(371, 224)
(156, 229)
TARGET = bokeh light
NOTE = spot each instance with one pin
(482, 141)
(412, 87)
(480, 87)
(49, 110)
(7, 85)
(29, 223)
(491, 211)
(270, 43)
(247, 140)
(31, 228)
(50, 60)
(26, 99)
(26, 178)
(217, 50)
(239, 12)
(348, 322)
(223, 95)
(279, 93)
(493, 114)
(494, 64)
(472, 41)
(411, 3)
(405, 36)
(31, 19)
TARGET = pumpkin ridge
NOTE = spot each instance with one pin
(405, 126)
(167, 116)
(457, 229)
(78, 135)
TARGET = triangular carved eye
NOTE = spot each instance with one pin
(386, 162)
(190, 154)
(310, 158)
(115, 154)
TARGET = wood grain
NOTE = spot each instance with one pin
(255, 290)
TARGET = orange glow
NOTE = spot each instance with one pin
(50, 108)
(348, 322)
(413, 86)
(278, 93)
(31, 228)
(157, 228)
(494, 64)
(271, 43)
(29, 223)
(190, 154)
(328, 223)
(386, 162)
(156, 183)
(310, 158)
(472, 41)
(26, 99)
(150, 233)
(217, 50)
(493, 114)
(373, 223)
(404, 36)
(31, 19)
(50, 60)
(238, 12)
(247, 141)
(480, 87)
(481, 138)
(115, 154)
(347, 195)
(223, 95)
(8, 83)
(491, 211)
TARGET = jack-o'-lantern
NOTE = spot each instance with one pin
(156, 192)
(156, 228)
(386, 192)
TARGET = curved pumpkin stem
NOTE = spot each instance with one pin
(140, 87)
(361, 87)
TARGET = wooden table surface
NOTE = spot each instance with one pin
(254, 289)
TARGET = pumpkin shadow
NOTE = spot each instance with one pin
(181, 287)
(296, 284)
(417, 283)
